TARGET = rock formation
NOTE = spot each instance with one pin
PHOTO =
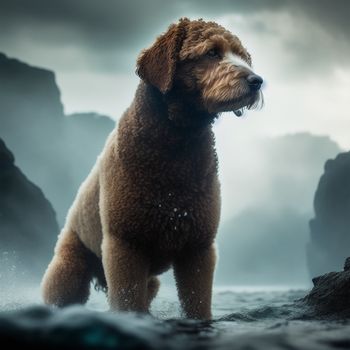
(55, 151)
(330, 228)
(330, 296)
(28, 227)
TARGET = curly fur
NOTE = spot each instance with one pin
(152, 200)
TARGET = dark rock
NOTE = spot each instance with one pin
(56, 152)
(78, 328)
(330, 295)
(347, 264)
(6, 157)
(28, 227)
(330, 228)
(32, 122)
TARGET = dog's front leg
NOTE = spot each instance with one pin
(126, 272)
(194, 279)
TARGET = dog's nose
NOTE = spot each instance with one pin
(254, 81)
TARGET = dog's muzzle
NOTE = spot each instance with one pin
(254, 82)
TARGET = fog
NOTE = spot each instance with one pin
(268, 204)
(270, 161)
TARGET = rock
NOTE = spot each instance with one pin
(78, 328)
(55, 151)
(330, 228)
(28, 226)
(347, 264)
(32, 123)
(330, 296)
(7, 159)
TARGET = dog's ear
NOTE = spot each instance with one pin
(157, 64)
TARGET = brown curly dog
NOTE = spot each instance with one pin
(152, 200)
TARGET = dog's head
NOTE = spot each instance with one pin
(204, 61)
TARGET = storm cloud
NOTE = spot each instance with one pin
(108, 34)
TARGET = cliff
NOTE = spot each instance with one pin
(28, 226)
(55, 151)
(329, 241)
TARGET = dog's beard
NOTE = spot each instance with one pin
(249, 103)
(238, 105)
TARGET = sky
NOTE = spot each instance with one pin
(300, 48)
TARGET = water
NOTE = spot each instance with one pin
(244, 318)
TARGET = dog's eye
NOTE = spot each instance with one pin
(213, 53)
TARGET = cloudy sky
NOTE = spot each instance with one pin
(301, 48)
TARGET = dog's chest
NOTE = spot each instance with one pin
(172, 211)
(171, 195)
(174, 219)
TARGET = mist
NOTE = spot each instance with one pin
(67, 75)
(57, 112)
(268, 202)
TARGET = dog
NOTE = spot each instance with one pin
(152, 200)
